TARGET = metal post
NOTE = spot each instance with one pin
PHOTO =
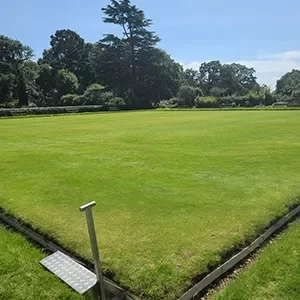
(91, 228)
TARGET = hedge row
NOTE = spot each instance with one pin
(7, 112)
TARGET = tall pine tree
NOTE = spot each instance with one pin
(124, 54)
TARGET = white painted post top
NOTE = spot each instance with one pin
(87, 206)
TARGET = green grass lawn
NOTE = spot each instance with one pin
(173, 189)
(274, 275)
(21, 275)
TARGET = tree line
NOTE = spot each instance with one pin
(126, 71)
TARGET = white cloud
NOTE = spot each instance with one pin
(269, 66)
(288, 55)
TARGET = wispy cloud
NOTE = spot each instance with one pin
(269, 66)
(288, 55)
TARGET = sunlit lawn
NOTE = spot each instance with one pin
(173, 189)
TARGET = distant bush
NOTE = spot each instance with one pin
(116, 102)
(172, 103)
(107, 96)
(186, 96)
(199, 92)
(66, 82)
(249, 100)
(94, 95)
(10, 104)
(69, 100)
(293, 100)
(218, 92)
(80, 100)
(32, 104)
(206, 102)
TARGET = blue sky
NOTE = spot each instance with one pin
(263, 34)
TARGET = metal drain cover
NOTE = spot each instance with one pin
(75, 275)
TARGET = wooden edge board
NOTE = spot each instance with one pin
(236, 259)
(52, 247)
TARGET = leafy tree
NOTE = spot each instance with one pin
(69, 51)
(117, 102)
(190, 77)
(206, 102)
(296, 95)
(218, 91)
(112, 66)
(228, 79)
(135, 29)
(65, 52)
(30, 71)
(12, 55)
(289, 83)
(266, 95)
(210, 75)
(13, 51)
(89, 66)
(242, 78)
(66, 82)
(69, 100)
(8, 83)
(94, 95)
(46, 81)
(159, 77)
(127, 58)
(95, 62)
(54, 84)
(187, 95)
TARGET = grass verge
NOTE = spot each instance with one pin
(21, 275)
(274, 274)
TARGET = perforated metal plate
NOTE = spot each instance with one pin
(75, 275)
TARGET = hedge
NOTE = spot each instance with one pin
(7, 112)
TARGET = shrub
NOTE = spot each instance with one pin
(80, 100)
(117, 102)
(249, 100)
(295, 99)
(66, 82)
(11, 103)
(186, 96)
(107, 96)
(69, 100)
(232, 101)
(131, 99)
(32, 104)
(217, 91)
(206, 102)
(49, 110)
(199, 92)
(94, 95)
(172, 103)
